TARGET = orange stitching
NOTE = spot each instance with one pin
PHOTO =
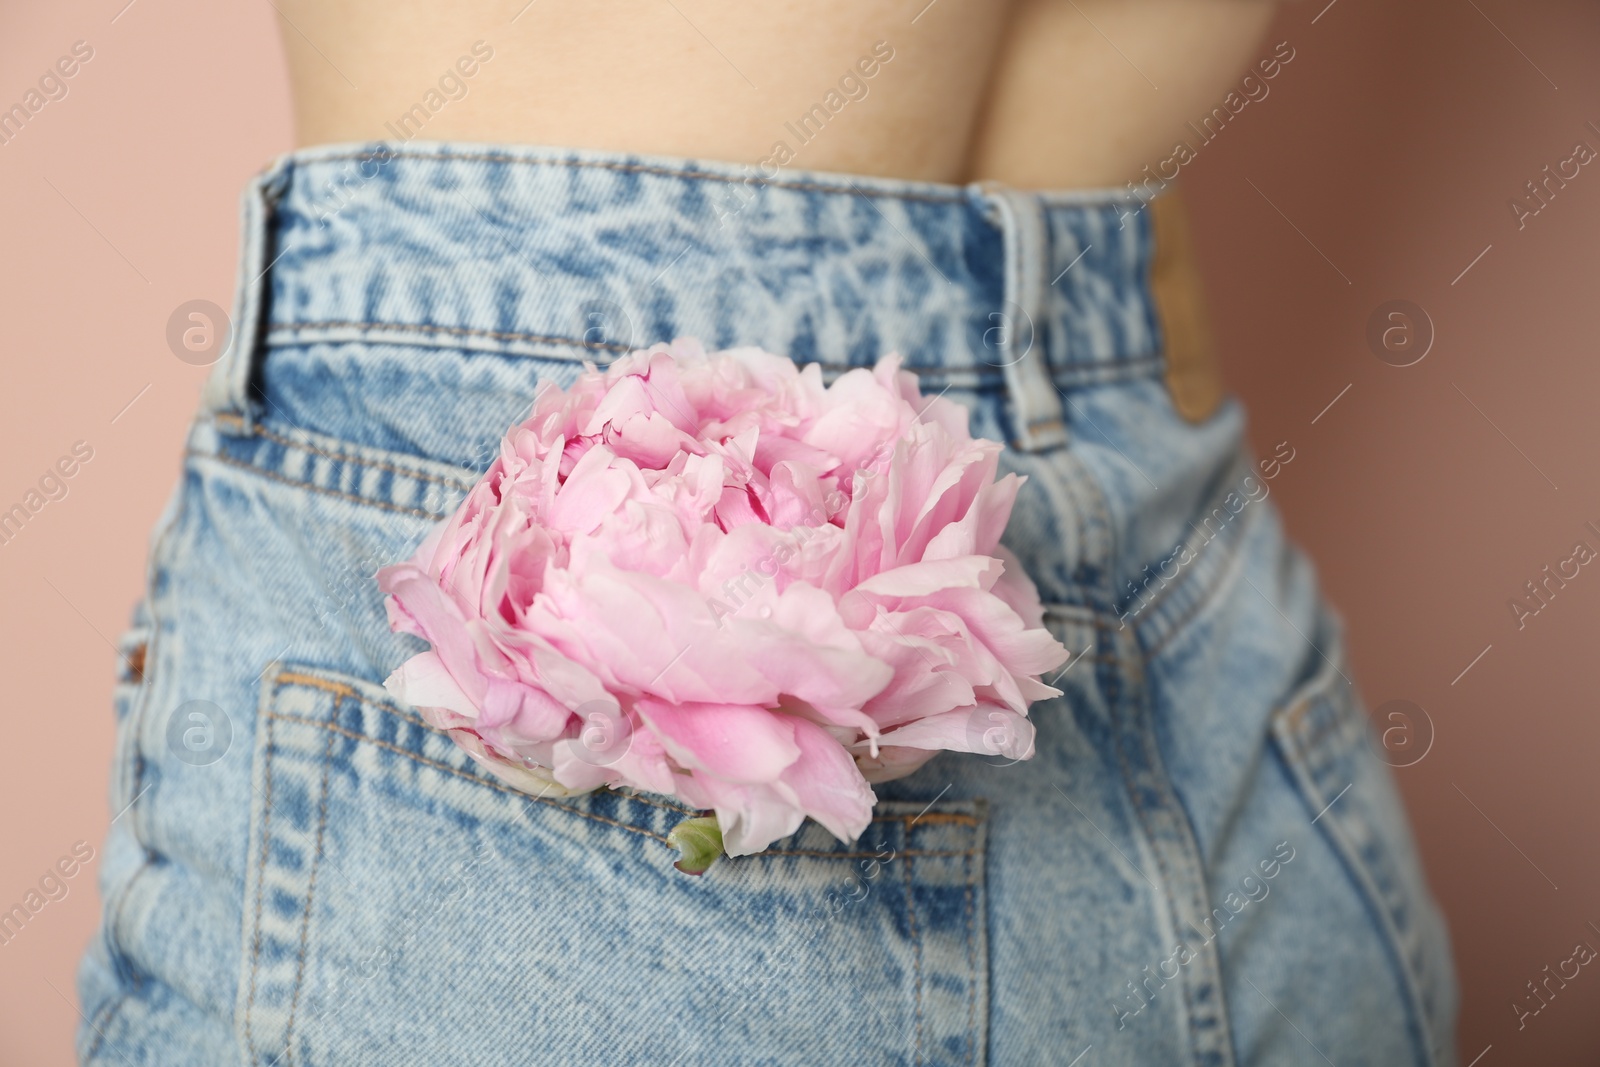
(285, 480)
(644, 168)
(314, 682)
(1297, 713)
(935, 817)
(262, 431)
(311, 681)
(476, 779)
(311, 892)
(135, 662)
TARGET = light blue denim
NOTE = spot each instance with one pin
(1205, 863)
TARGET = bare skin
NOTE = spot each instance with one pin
(1035, 93)
(1067, 109)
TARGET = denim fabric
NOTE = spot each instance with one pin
(1205, 863)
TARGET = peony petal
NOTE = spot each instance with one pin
(826, 784)
(732, 742)
(715, 577)
(751, 816)
(423, 681)
(989, 729)
(892, 762)
(921, 579)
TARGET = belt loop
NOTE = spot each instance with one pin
(1035, 404)
(227, 390)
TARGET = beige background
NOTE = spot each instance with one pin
(1428, 494)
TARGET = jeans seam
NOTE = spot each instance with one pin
(314, 488)
(465, 775)
(99, 1033)
(646, 168)
(1080, 484)
(1168, 887)
(1067, 378)
(135, 726)
(119, 959)
(312, 681)
(1097, 614)
(261, 870)
(1165, 630)
(1297, 752)
(355, 735)
(916, 951)
(278, 332)
(299, 678)
(311, 892)
(972, 968)
(1155, 849)
(924, 853)
(105, 1014)
(461, 331)
(258, 430)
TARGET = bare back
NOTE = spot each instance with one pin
(1038, 93)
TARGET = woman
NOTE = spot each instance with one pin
(1203, 862)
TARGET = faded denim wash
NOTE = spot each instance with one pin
(1206, 862)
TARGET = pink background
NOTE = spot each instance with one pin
(1392, 142)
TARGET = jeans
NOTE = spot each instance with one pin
(1206, 862)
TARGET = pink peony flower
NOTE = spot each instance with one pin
(711, 577)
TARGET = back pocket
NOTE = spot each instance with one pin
(1331, 751)
(402, 906)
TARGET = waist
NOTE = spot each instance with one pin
(579, 254)
(398, 308)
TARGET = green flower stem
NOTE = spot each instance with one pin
(700, 841)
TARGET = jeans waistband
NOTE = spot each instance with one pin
(574, 254)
